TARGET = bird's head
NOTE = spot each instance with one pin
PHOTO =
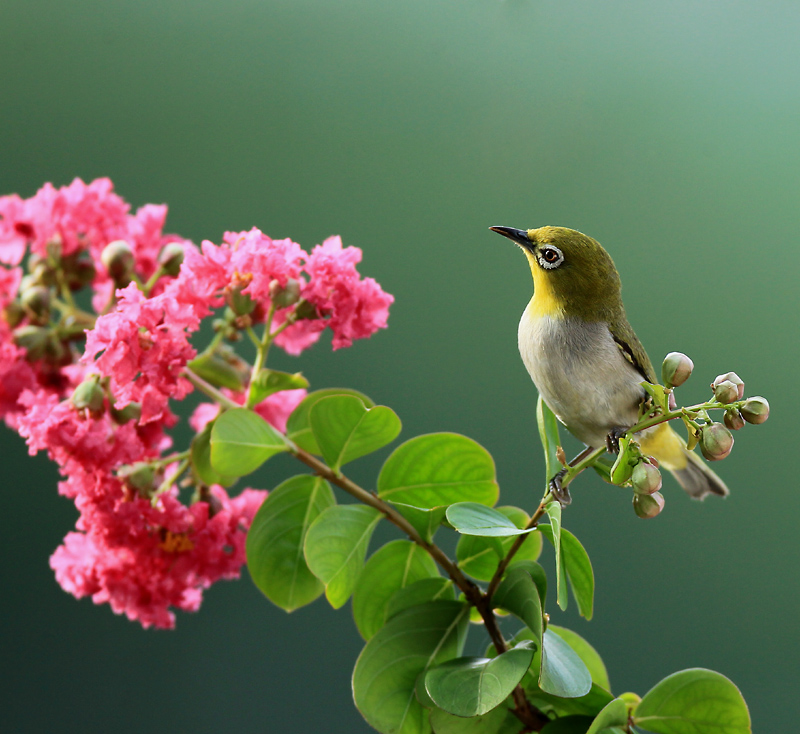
(572, 274)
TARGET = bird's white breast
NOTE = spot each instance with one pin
(581, 373)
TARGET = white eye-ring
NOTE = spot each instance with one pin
(550, 257)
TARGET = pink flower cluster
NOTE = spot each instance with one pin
(137, 546)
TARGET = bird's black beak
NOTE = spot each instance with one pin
(520, 236)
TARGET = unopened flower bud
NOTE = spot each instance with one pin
(89, 396)
(131, 412)
(117, 257)
(171, 258)
(34, 340)
(81, 274)
(676, 369)
(730, 377)
(284, 295)
(36, 301)
(755, 410)
(725, 391)
(733, 419)
(140, 476)
(646, 478)
(716, 442)
(306, 310)
(648, 505)
(240, 303)
(13, 314)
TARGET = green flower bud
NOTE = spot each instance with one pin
(646, 478)
(81, 275)
(306, 310)
(648, 505)
(725, 391)
(89, 396)
(171, 258)
(13, 314)
(284, 295)
(240, 303)
(716, 442)
(755, 410)
(36, 301)
(733, 419)
(34, 339)
(117, 257)
(676, 369)
(131, 412)
(729, 377)
(140, 476)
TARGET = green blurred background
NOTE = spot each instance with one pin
(668, 131)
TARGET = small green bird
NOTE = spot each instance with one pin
(585, 358)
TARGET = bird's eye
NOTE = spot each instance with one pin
(550, 257)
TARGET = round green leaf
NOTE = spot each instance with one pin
(695, 701)
(587, 653)
(201, 461)
(390, 568)
(563, 673)
(345, 429)
(439, 469)
(497, 721)
(268, 382)
(419, 592)
(518, 594)
(473, 686)
(275, 541)
(335, 548)
(241, 441)
(470, 518)
(614, 714)
(386, 671)
(298, 429)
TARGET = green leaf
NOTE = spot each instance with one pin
(695, 701)
(579, 572)
(658, 394)
(518, 594)
(603, 465)
(439, 469)
(241, 441)
(201, 461)
(387, 669)
(614, 714)
(470, 518)
(479, 556)
(425, 521)
(589, 705)
(585, 652)
(268, 382)
(345, 429)
(538, 575)
(568, 725)
(419, 592)
(217, 371)
(298, 429)
(390, 568)
(553, 534)
(275, 541)
(335, 548)
(473, 686)
(497, 721)
(548, 433)
(563, 673)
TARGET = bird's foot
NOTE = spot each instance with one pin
(559, 492)
(612, 439)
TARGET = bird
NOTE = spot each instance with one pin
(585, 358)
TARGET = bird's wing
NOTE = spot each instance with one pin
(631, 348)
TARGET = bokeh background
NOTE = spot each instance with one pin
(668, 131)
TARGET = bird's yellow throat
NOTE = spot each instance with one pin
(544, 301)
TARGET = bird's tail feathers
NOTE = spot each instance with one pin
(698, 479)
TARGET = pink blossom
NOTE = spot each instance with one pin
(144, 345)
(14, 231)
(355, 308)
